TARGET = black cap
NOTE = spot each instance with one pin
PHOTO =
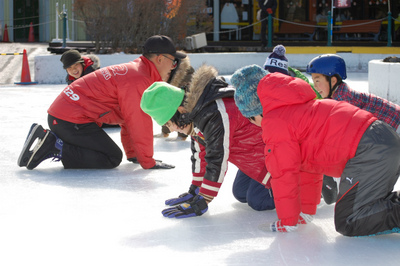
(160, 44)
(71, 57)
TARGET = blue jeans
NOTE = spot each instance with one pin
(255, 194)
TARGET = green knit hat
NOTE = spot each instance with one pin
(161, 101)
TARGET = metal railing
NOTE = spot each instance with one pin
(329, 27)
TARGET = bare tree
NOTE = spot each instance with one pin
(124, 25)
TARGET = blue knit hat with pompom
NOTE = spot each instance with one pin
(277, 61)
(246, 80)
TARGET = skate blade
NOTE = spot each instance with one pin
(161, 136)
(36, 148)
(177, 139)
(36, 133)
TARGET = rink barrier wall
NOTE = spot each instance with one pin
(48, 68)
(384, 80)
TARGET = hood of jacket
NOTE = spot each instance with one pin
(182, 75)
(95, 59)
(277, 90)
(205, 88)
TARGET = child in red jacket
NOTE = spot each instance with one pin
(77, 66)
(328, 72)
(308, 136)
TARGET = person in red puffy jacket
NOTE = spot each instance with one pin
(305, 137)
(109, 95)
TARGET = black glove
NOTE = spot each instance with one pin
(196, 207)
(134, 160)
(187, 196)
(160, 165)
(329, 190)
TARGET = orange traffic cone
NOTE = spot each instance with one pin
(31, 37)
(25, 73)
(5, 34)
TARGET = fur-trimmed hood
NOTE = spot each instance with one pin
(182, 75)
(205, 88)
(95, 59)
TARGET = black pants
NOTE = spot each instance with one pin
(366, 204)
(86, 146)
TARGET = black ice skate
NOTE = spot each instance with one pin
(394, 197)
(36, 134)
(329, 190)
(49, 147)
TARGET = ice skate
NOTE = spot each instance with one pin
(36, 133)
(161, 135)
(48, 147)
(394, 197)
(178, 138)
(329, 190)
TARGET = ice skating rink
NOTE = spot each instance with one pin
(52, 216)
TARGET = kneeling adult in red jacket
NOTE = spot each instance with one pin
(109, 95)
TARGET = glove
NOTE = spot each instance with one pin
(160, 165)
(269, 10)
(279, 227)
(134, 160)
(187, 196)
(196, 207)
(329, 190)
(305, 218)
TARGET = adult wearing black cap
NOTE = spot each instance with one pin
(109, 95)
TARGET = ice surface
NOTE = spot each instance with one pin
(52, 216)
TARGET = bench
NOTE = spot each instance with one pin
(304, 30)
(359, 30)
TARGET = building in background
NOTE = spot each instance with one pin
(233, 19)
(44, 16)
(295, 11)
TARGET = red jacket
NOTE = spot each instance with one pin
(304, 136)
(112, 95)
